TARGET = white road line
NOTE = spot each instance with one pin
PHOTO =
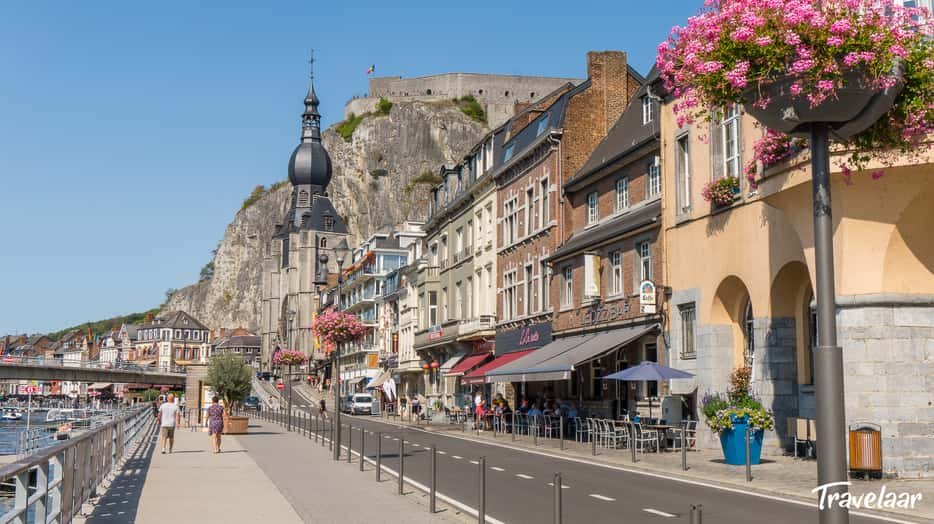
(442, 452)
(474, 462)
(524, 476)
(415, 445)
(495, 468)
(659, 513)
(458, 457)
(602, 497)
(563, 485)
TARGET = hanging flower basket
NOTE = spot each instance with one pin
(864, 67)
(722, 191)
(336, 327)
(289, 358)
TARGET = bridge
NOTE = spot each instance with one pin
(46, 370)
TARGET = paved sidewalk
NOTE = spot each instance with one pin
(326, 492)
(195, 485)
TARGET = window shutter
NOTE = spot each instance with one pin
(716, 148)
(591, 275)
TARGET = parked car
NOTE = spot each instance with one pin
(251, 403)
(361, 404)
(346, 403)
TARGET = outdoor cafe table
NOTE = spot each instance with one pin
(662, 430)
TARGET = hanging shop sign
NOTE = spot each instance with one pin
(647, 297)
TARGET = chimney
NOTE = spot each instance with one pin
(611, 85)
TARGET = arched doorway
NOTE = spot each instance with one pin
(732, 307)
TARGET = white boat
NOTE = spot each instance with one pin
(11, 414)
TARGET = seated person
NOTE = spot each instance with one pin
(534, 411)
(524, 407)
(570, 410)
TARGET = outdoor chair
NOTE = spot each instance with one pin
(522, 424)
(552, 427)
(812, 436)
(615, 434)
(534, 424)
(690, 435)
(577, 427)
(644, 438)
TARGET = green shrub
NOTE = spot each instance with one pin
(470, 107)
(257, 193)
(346, 128)
(383, 107)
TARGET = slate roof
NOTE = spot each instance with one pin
(247, 341)
(175, 320)
(320, 206)
(637, 217)
(627, 134)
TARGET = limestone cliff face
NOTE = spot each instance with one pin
(373, 187)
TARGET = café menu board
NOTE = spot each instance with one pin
(526, 337)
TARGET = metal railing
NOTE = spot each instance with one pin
(51, 485)
(10, 360)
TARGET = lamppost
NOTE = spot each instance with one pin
(288, 376)
(340, 251)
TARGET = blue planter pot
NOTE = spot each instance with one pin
(733, 442)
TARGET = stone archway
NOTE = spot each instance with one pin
(729, 308)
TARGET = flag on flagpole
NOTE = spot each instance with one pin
(371, 70)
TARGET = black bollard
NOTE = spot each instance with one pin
(317, 425)
(684, 449)
(434, 479)
(748, 457)
(349, 443)
(632, 440)
(513, 425)
(697, 513)
(481, 506)
(593, 443)
(362, 446)
(331, 439)
(561, 431)
(401, 464)
(379, 454)
(557, 483)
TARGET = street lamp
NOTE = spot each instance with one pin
(288, 377)
(340, 252)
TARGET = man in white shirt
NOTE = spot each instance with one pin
(169, 416)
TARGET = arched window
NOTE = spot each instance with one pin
(428, 92)
(749, 345)
(303, 198)
(532, 94)
(324, 242)
(810, 313)
(507, 93)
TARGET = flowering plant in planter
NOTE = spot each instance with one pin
(289, 358)
(771, 149)
(816, 52)
(721, 412)
(336, 327)
(721, 191)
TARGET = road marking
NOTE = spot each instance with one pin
(524, 476)
(602, 497)
(659, 513)
(563, 485)
(474, 462)
(416, 445)
(395, 439)
(457, 457)
(442, 452)
(494, 468)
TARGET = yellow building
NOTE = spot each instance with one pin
(742, 280)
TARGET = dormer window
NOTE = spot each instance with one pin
(327, 223)
(648, 109)
(507, 154)
(542, 125)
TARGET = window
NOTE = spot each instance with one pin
(432, 308)
(622, 194)
(593, 208)
(327, 223)
(544, 273)
(529, 290)
(459, 240)
(648, 109)
(323, 242)
(810, 313)
(509, 295)
(749, 343)
(468, 298)
(445, 304)
(654, 183)
(688, 322)
(444, 250)
(567, 291)
(468, 234)
(510, 217)
(683, 174)
(507, 154)
(591, 276)
(644, 250)
(459, 309)
(542, 125)
(616, 273)
(725, 144)
(434, 254)
(543, 216)
(529, 210)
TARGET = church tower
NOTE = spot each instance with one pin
(311, 226)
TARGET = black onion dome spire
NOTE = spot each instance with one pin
(310, 163)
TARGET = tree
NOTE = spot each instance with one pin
(231, 378)
(207, 272)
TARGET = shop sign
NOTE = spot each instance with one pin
(647, 297)
(372, 360)
(615, 310)
(435, 332)
(526, 337)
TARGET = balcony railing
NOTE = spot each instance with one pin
(483, 322)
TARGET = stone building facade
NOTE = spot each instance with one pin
(745, 272)
(499, 94)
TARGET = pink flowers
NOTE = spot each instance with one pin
(763, 41)
(289, 357)
(835, 41)
(825, 85)
(337, 327)
(800, 66)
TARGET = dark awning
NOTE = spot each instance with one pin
(469, 362)
(559, 364)
(478, 376)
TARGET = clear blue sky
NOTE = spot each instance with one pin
(130, 132)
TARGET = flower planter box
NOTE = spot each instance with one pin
(855, 107)
(733, 443)
(236, 425)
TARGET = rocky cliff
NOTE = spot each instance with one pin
(381, 177)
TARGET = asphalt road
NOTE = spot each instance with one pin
(519, 484)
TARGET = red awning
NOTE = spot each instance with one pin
(469, 362)
(478, 375)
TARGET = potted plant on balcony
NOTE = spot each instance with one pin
(231, 378)
(729, 417)
(863, 68)
(722, 191)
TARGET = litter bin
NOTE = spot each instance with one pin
(866, 449)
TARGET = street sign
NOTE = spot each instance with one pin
(31, 389)
(647, 296)
(280, 386)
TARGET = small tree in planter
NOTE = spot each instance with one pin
(730, 416)
(232, 379)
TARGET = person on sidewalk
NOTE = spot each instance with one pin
(215, 423)
(322, 408)
(170, 416)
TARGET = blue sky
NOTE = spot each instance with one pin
(131, 132)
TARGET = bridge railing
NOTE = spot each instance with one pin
(12, 360)
(52, 484)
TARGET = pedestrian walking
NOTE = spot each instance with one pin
(169, 417)
(322, 408)
(215, 423)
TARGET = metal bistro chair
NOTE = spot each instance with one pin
(690, 435)
(603, 432)
(534, 424)
(578, 426)
(611, 434)
(644, 437)
(552, 426)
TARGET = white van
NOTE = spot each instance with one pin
(362, 403)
